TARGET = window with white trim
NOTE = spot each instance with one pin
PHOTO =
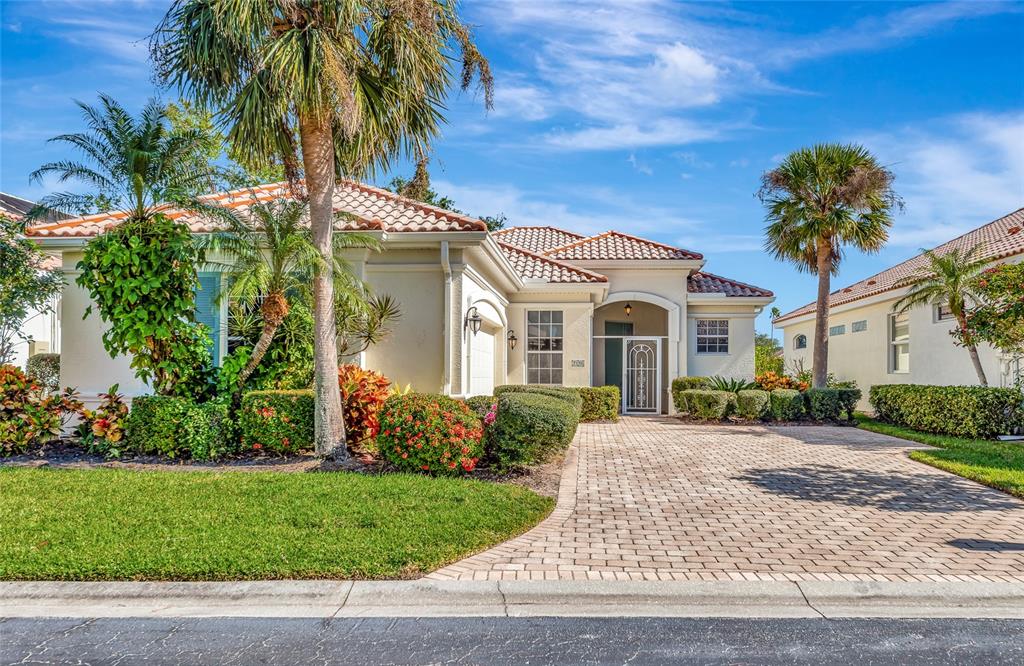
(942, 312)
(899, 343)
(544, 346)
(800, 342)
(837, 330)
(859, 326)
(712, 336)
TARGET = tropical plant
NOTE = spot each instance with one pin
(771, 380)
(730, 384)
(358, 81)
(767, 355)
(101, 430)
(364, 392)
(820, 200)
(435, 434)
(27, 417)
(997, 315)
(26, 286)
(947, 279)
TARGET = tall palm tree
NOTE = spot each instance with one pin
(775, 314)
(819, 200)
(358, 81)
(135, 164)
(948, 279)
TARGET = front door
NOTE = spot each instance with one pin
(613, 351)
(641, 377)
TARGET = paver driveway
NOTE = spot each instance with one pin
(664, 500)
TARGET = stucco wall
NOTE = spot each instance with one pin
(739, 362)
(576, 355)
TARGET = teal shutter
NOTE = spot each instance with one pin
(208, 309)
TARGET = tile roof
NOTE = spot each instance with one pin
(17, 208)
(615, 245)
(536, 239)
(530, 265)
(367, 208)
(708, 283)
(998, 239)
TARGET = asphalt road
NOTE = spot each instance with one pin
(510, 641)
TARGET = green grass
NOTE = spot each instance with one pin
(993, 463)
(130, 525)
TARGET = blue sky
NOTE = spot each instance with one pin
(653, 118)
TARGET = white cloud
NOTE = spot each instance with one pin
(668, 131)
(639, 166)
(524, 102)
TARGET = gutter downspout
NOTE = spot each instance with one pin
(446, 268)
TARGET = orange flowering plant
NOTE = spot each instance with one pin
(769, 381)
(436, 434)
(363, 393)
(276, 421)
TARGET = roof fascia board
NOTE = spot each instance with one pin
(889, 295)
(718, 299)
(690, 265)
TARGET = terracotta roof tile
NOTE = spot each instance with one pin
(367, 208)
(536, 239)
(615, 245)
(998, 239)
(530, 265)
(708, 283)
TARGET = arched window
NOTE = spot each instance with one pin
(800, 342)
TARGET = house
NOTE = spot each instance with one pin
(871, 344)
(522, 305)
(42, 329)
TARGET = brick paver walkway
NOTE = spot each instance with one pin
(658, 499)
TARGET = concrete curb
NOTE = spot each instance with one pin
(428, 598)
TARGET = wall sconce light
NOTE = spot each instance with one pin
(628, 308)
(473, 320)
(512, 339)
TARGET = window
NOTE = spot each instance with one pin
(859, 326)
(899, 343)
(800, 342)
(712, 336)
(942, 312)
(837, 330)
(544, 347)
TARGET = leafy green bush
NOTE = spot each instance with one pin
(690, 383)
(962, 411)
(27, 418)
(707, 404)
(600, 403)
(828, 404)
(277, 421)
(753, 404)
(529, 428)
(420, 432)
(787, 404)
(45, 369)
(481, 404)
(178, 428)
(567, 393)
(731, 384)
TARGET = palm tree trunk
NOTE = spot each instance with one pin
(972, 349)
(820, 358)
(318, 162)
(258, 352)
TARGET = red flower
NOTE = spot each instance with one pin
(257, 446)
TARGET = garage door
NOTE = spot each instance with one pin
(481, 363)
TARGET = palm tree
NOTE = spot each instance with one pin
(949, 279)
(133, 163)
(819, 200)
(358, 81)
(775, 314)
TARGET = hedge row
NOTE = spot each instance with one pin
(962, 411)
(277, 421)
(597, 403)
(178, 428)
(828, 404)
(530, 427)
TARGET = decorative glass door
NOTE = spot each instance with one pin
(641, 378)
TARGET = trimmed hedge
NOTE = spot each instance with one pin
(753, 404)
(787, 404)
(480, 404)
(600, 403)
(962, 411)
(705, 404)
(178, 428)
(567, 393)
(690, 383)
(529, 428)
(827, 404)
(277, 421)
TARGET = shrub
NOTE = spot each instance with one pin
(481, 404)
(529, 428)
(600, 403)
(753, 404)
(769, 381)
(27, 418)
(787, 404)
(707, 404)
(277, 421)
(567, 393)
(102, 430)
(690, 383)
(962, 411)
(179, 428)
(421, 432)
(828, 404)
(363, 393)
(45, 369)
(731, 384)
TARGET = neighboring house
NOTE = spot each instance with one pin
(522, 305)
(42, 328)
(871, 344)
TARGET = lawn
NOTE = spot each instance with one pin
(996, 464)
(131, 525)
